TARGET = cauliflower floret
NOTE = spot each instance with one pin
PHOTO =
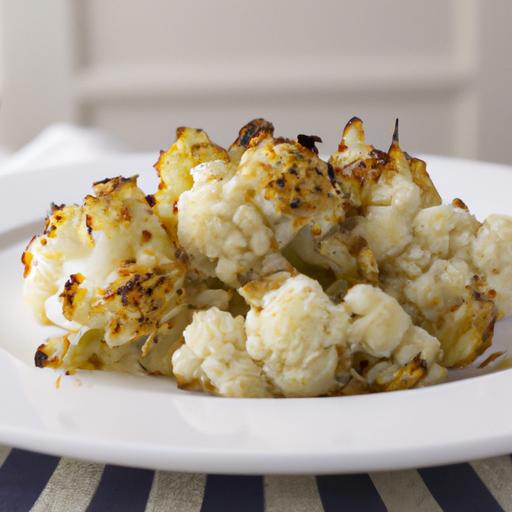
(400, 354)
(214, 357)
(447, 231)
(296, 333)
(380, 322)
(192, 147)
(87, 350)
(224, 236)
(492, 253)
(234, 211)
(108, 265)
(382, 194)
(358, 168)
(438, 282)
(441, 287)
(233, 223)
(292, 186)
(423, 249)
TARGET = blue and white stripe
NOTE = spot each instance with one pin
(43, 483)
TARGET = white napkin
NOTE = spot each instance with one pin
(60, 144)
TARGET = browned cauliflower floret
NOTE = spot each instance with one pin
(292, 186)
(358, 167)
(390, 352)
(423, 249)
(87, 350)
(233, 223)
(224, 235)
(192, 147)
(107, 265)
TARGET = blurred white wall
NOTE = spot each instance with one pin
(140, 68)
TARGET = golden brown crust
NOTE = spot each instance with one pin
(405, 377)
(293, 177)
(467, 330)
(192, 147)
(51, 353)
(71, 295)
(254, 129)
(358, 170)
(26, 259)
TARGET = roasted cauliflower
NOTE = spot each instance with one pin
(107, 266)
(296, 333)
(224, 236)
(264, 271)
(423, 249)
(214, 357)
(296, 342)
(492, 254)
(192, 147)
(234, 222)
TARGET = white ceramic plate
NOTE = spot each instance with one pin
(147, 422)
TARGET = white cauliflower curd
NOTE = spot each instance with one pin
(492, 254)
(214, 357)
(379, 323)
(401, 355)
(296, 333)
(225, 236)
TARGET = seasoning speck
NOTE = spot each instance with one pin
(330, 173)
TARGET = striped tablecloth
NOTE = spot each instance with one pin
(31, 481)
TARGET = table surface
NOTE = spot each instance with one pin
(32, 481)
